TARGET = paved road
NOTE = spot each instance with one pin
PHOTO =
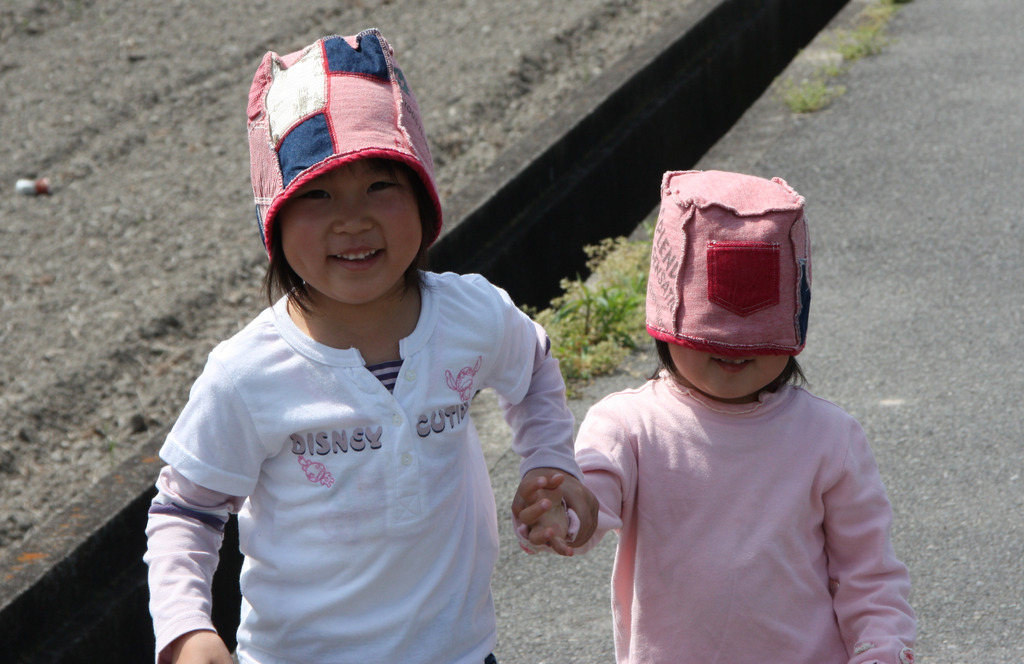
(915, 199)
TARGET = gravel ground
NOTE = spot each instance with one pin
(115, 287)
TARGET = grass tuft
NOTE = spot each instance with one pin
(811, 95)
(867, 37)
(598, 321)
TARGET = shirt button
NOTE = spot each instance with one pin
(406, 459)
(410, 375)
(396, 419)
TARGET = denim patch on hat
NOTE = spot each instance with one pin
(805, 301)
(261, 227)
(369, 59)
(308, 143)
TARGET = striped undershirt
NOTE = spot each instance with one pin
(386, 373)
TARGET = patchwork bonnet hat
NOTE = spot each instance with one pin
(335, 101)
(730, 265)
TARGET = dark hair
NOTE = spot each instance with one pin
(281, 279)
(792, 373)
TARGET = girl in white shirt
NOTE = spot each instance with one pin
(337, 424)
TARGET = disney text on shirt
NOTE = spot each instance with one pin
(326, 442)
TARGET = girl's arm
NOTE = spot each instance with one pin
(542, 426)
(198, 647)
(184, 534)
(872, 586)
(608, 490)
(603, 452)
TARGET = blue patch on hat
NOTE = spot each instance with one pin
(805, 301)
(368, 59)
(308, 143)
(263, 229)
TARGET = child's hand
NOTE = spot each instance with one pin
(583, 502)
(198, 647)
(538, 506)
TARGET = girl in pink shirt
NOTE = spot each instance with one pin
(753, 524)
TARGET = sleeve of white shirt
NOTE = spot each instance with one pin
(541, 422)
(215, 411)
(184, 534)
(528, 383)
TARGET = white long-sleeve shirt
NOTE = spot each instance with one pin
(366, 517)
(747, 533)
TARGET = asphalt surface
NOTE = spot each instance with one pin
(914, 197)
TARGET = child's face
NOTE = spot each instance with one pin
(726, 379)
(352, 233)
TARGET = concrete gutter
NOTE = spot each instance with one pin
(75, 590)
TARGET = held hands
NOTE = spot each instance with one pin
(538, 505)
(198, 647)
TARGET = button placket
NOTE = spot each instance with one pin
(407, 494)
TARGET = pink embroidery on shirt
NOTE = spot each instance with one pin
(316, 472)
(463, 383)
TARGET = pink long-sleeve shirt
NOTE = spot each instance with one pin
(747, 533)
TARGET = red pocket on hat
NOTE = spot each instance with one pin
(743, 277)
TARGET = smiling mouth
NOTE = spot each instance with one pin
(731, 364)
(357, 255)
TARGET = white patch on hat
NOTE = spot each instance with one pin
(296, 93)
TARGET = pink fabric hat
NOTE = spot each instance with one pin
(730, 265)
(335, 101)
